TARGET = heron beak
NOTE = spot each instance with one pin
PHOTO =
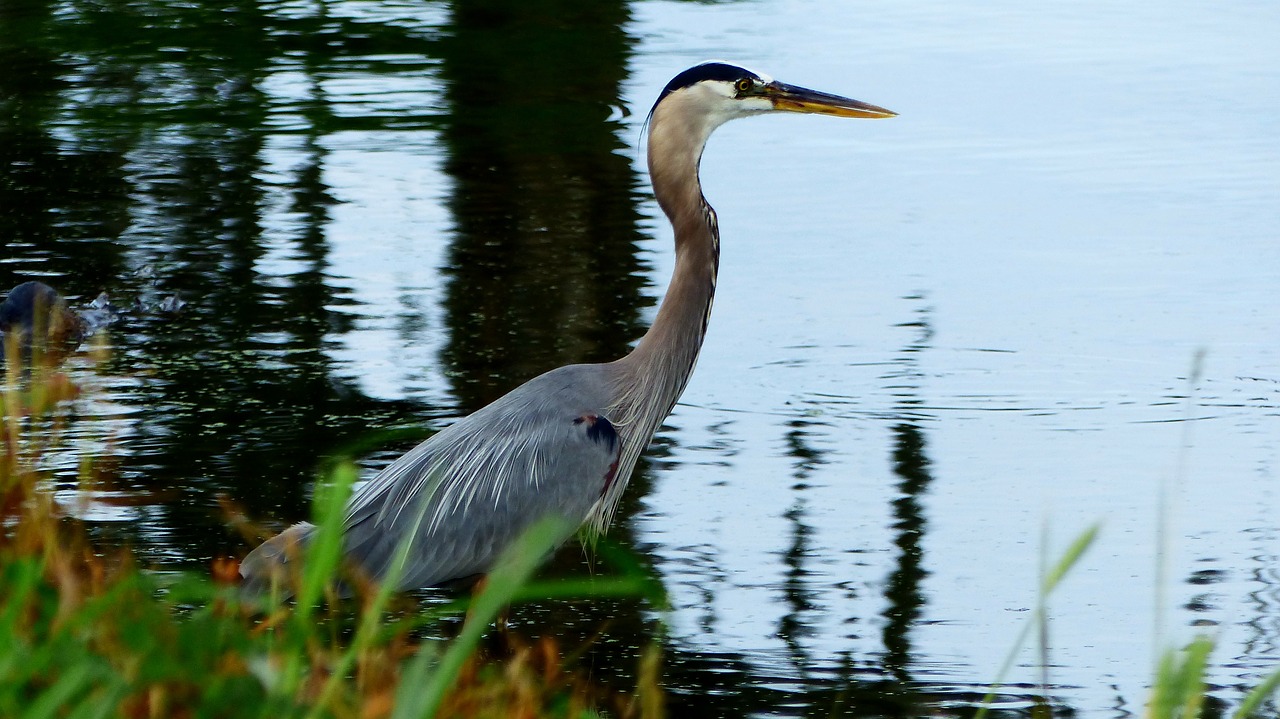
(790, 98)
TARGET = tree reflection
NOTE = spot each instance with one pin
(134, 153)
(794, 626)
(140, 153)
(911, 464)
(542, 268)
(56, 196)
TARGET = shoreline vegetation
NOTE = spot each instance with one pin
(89, 633)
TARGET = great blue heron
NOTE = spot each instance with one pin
(564, 443)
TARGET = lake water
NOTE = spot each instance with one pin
(1047, 295)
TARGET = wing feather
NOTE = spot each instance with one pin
(463, 495)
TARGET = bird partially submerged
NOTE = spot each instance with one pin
(564, 443)
(34, 316)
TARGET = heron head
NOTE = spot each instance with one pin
(720, 91)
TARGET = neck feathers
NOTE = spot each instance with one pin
(665, 356)
(652, 377)
(676, 138)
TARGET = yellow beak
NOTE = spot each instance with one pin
(790, 98)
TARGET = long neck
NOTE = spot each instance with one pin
(664, 358)
(648, 381)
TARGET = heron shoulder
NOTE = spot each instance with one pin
(555, 424)
(459, 497)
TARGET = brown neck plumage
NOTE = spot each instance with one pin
(650, 379)
(664, 358)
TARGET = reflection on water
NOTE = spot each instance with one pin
(910, 463)
(542, 267)
(385, 214)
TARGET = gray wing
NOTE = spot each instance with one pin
(464, 494)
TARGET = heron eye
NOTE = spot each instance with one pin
(743, 86)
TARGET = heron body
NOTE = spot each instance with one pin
(564, 443)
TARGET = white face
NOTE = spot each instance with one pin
(720, 101)
(747, 105)
(689, 115)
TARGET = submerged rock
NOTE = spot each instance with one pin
(98, 314)
(171, 305)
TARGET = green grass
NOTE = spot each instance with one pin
(1178, 690)
(1048, 583)
(87, 633)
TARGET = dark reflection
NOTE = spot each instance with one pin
(241, 397)
(793, 626)
(1204, 601)
(61, 203)
(142, 153)
(863, 687)
(888, 686)
(133, 150)
(1263, 627)
(906, 602)
(543, 269)
(910, 463)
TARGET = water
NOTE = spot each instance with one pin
(943, 344)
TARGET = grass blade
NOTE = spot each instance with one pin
(1254, 699)
(1179, 689)
(51, 702)
(410, 702)
(1050, 582)
(501, 586)
(325, 550)
(1069, 559)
